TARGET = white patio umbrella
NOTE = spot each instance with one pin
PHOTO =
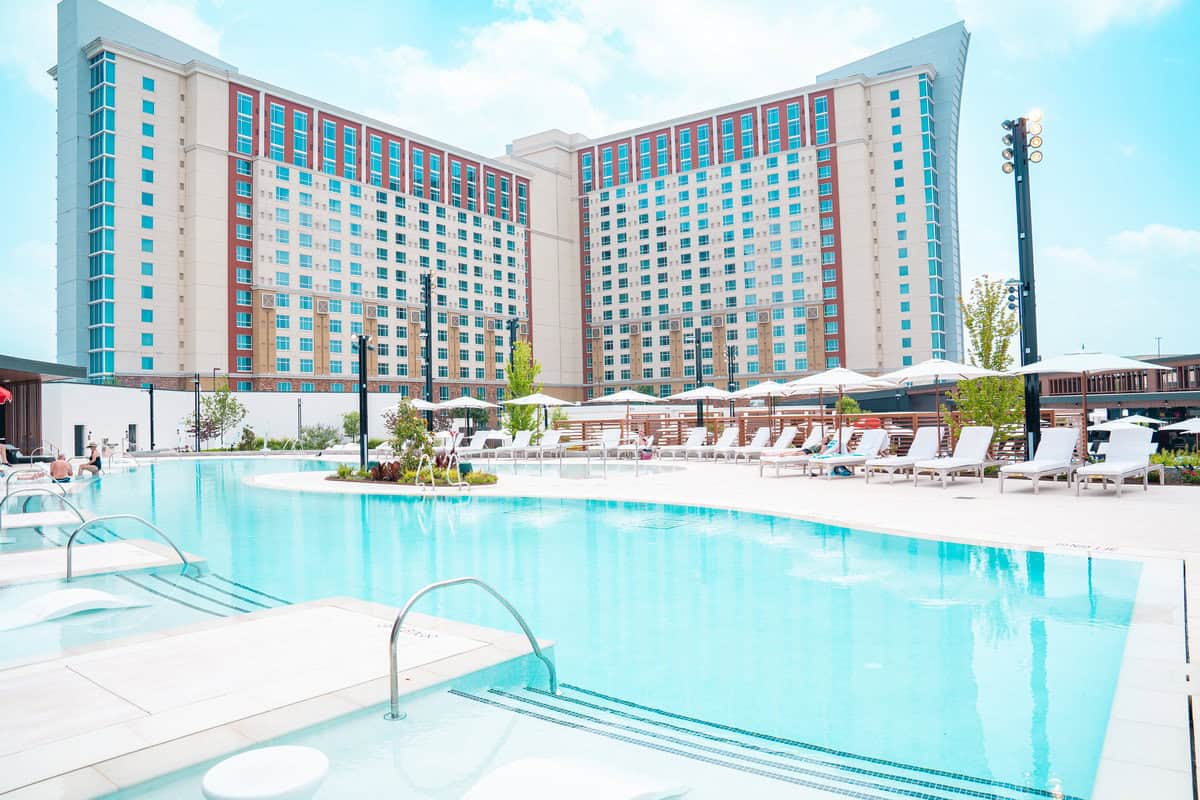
(1140, 419)
(1112, 425)
(700, 395)
(422, 405)
(937, 370)
(840, 380)
(539, 399)
(1187, 426)
(465, 402)
(626, 396)
(767, 389)
(1085, 364)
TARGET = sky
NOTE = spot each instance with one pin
(1115, 202)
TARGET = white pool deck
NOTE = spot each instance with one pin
(1148, 746)
(126, 555)
(119, 713)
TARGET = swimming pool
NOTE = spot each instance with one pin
(993, 663)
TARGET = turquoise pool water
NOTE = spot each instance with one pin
(990, 662)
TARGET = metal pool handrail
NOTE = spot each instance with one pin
(43, 489)
(143, 520)
(394, 712)
(27, 471)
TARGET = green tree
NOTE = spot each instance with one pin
(350, 424)
(523, 370)
(990, 326)
(220, 412)
(847, 405)
(407, 435)
(318, 437)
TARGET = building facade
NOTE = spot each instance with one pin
(212, 221)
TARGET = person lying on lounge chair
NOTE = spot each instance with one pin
(60, 470)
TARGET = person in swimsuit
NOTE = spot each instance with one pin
(60, 470)
(94, 463)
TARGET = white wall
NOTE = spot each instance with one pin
(107, 411)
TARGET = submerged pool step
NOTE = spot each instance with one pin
(800, 763)
(210, 593)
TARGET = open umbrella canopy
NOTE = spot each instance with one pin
(764, 389)
(838, 379)
(1112, 425)
(701, 393)
(1080, 363)
(423, 405)
(938, 369)
(1187, 426)
(1140, 419)
(465, 401)
(537, 399)
(626, 396)
(5, 396)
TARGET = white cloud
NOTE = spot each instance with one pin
(28, 324)
(34, 51)
(1027, 25)
(1120, 293)
(572, 63)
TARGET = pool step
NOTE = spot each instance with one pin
(799, 763)
(210, 593)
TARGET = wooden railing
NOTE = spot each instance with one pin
(673, 429)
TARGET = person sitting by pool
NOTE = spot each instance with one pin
(60, 470)
(94, 463)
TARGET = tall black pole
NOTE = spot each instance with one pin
(196, 419)
(427, 297)
(1029, 342)
(152, 417)
(699, 378)
(363, 340)
(299, 419)
(730, 352)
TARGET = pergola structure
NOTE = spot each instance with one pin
(21, 418)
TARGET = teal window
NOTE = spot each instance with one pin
(147, 129)
(147, 84)
(895, 130)
(147, 152)
(147, 340)
(147, 292)
(147, 198)
(147, 315)
(147, 362)
(147, 245)
(243, 386)
(147, 106)
(147, 222)
(148, 176)
(147, 268)
(894, 95)
(895, 112)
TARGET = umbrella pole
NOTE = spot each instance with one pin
(837, 419)
(1083, 395)
(938, 407)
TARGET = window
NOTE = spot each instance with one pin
(147, 245)
(147, 84)
(147, 129)
(148, 176)
(147, 292)
(147, 222)
(147, 268)
(147, 362)
(147, 199)
(147, 152)
(147, 106)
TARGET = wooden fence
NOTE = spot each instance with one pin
(673, 429)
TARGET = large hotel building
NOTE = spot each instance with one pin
(209, 220)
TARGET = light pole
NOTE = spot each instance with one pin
(299, 419)
(731, 368)
(1158, 346)
(364, 344)
(427, 344)
(1022, 141)
(150, 389)
(694, 339)
(196, 418)
(214, 379)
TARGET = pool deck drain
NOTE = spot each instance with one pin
(123, 712)
(50, 563)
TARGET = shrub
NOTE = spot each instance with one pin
(317, 437)
(442, 478)
(350, 424)
(408, 437)
(249, 440)
(374, 441)
(344, 471)
(387, 471)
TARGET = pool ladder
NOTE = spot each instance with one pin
(143, 520)
(394, 712)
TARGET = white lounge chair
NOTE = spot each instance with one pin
(969, 455)
(610, 440)
(695, 437)
(1128, 456)
(1053, 457)
(924, 446)
(518, 446)
(869, 444)
(782, 445)
(725, 440)
(758, 441)
(798, 457)
(474, 447)
(549, 444)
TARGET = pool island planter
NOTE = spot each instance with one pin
(409, 479)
